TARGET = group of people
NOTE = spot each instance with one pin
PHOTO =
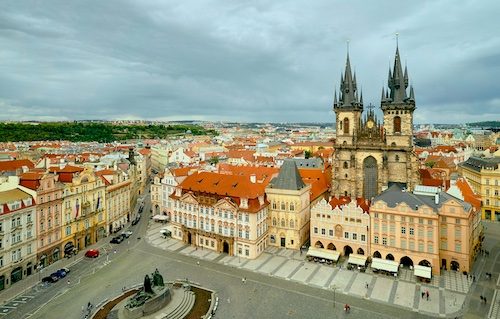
(483, 299)
(347, 308)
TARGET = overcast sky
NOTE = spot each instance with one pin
(263, 61)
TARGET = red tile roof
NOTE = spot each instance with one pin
(8, 166)
(468, 193)
(344, 200)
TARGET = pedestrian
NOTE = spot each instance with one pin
(366, 285)
(423, 294)
(473, 278)
(427, 294)
(69, 282)
(482, 298)
(198, 263)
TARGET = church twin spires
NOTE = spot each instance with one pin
(394, 97)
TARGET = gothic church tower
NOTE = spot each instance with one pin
(369, 155)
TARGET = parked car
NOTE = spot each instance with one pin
(50, 279)
(92, 253)
(165, 232)
(66, 270)
(136, 220)
(116, 240)
(126, 233)
(59, 273)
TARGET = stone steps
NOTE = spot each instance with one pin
(184, 307)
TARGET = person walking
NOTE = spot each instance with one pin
(427, 294)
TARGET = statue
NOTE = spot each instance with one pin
(147, 285)
(157, 278)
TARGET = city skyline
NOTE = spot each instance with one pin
(251, 62)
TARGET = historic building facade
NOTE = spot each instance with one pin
(84, 202)
(49, 214)
(224, 213)
(17, 232)
(370, 156)
(483, 175)
(341, 224)
(289, 214)
(426, 227)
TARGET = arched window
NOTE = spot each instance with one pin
(275, 206)
(397, 124)
(346, 165)
(283, 206)
(292, 206)
(346, 126)
(274, 221)
(282, 222)
(292, 225)
(340, 124)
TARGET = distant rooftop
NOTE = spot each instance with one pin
(478, 163)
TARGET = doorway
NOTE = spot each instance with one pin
(189, 238)
(225, 247)
(283, 241)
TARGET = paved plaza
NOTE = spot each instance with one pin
(447, 292)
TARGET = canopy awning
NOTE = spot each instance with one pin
(385, 264)
(160, 217)
(423, 271)
(323, 253)
(357, 259)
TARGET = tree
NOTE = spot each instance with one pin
(307, 154)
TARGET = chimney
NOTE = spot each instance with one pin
(253, 178)
(436, 199)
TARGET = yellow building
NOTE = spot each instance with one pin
(84, 214)
(118, 211)
(426, 227)
(483, 174)
(291, 194)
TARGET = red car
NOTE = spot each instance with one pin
(92, 253)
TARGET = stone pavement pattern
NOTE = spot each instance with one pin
(446, 292)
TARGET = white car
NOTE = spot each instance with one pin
(126, 233)
(165, 232)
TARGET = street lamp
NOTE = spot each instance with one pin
(334, 288)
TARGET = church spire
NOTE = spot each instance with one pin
(398, 80)
(348, 95)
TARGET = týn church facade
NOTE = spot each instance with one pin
(369, 155)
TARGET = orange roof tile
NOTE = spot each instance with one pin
(6, 166)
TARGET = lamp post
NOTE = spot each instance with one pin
(334, 288)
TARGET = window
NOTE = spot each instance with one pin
(375, 239)
(396, 158)
(457, 221)
(282, 222)
(354, 236)
(412, 245)
(403, 244)
(412, 231)
(443, 219)
(384, 227)
(292, 224)
(458, 247)
(420, 220)
(292, 207)
(283, 206)
(384, 241)
(346, 126)
(420, 246)
(403, 219)
(444, 244)
(346, 235)
(346, 165)
(274, 221)
(392, 241)
(363, 237)
(397, 124)
(330, 232)
(429, 222)
(430, 247)
(458, 232)
(315, 230)
(274, 205)
(403, 230)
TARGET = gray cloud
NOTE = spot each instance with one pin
(241, 61)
